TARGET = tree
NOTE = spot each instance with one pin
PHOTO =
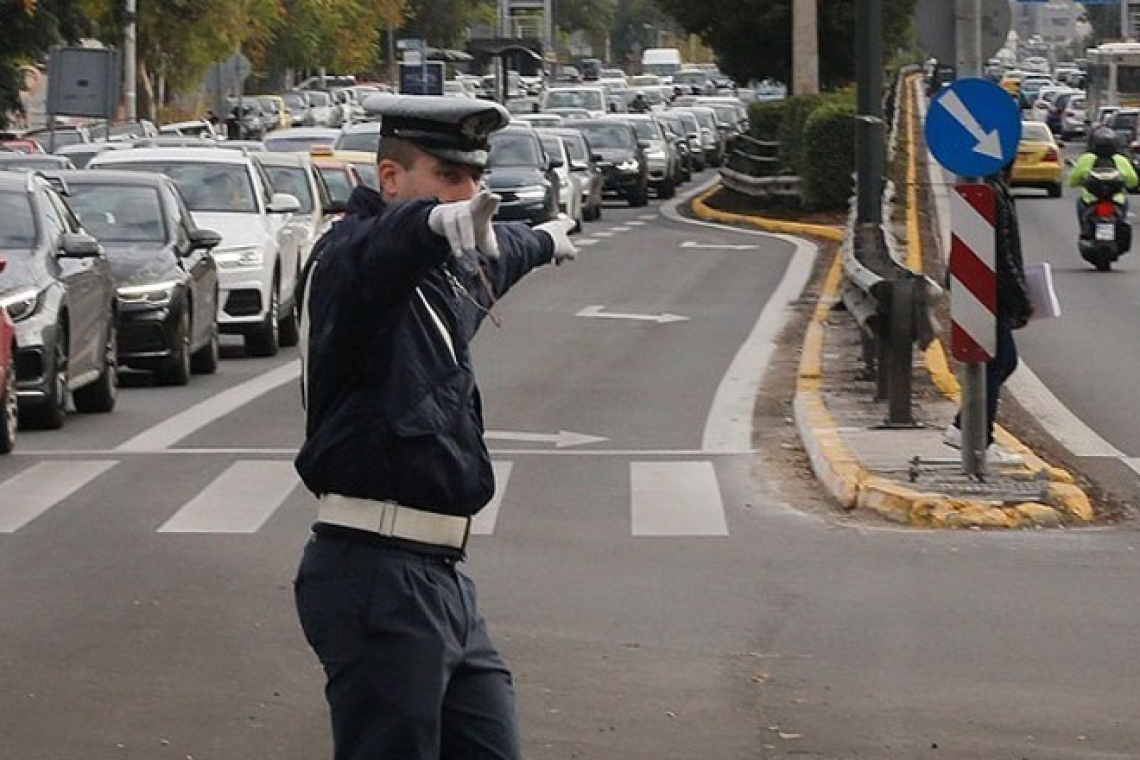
(753, 38)
(634, 27)
(27, 34)
(341, 35)
(442, 22)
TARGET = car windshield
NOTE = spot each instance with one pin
(690, 77)
(575, 148)
(17, 225)
(552, 144)
(338, 182)
(588, 99)
(725, 114)
(294, 101)
(513, 149)
(206, 186)
(293, 180)
(1035, 131)
(118, 213)
(318, 98)
(608, 136)
(362, 141)
(646, 130)
(24, 161)
(368, 174)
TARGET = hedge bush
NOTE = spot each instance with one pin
(764, 119)
(826, 179)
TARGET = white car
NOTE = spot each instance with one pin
(1074, 118)
(295, 174)
(593, 99)
(258, 263)
(569, 183)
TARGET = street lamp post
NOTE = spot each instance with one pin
(129, 63)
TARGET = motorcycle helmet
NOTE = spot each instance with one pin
(1104, 142)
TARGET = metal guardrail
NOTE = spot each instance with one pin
(753, 168)
(892, 305)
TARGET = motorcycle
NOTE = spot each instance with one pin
(1105, 232)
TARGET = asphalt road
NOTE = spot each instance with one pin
(656, 594)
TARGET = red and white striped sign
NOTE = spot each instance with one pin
(973, 284)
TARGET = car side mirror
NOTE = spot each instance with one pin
(556, 163)
(644, 143)
(597, 157)
(79, 246)
(335, 207)
(204, 239)
(284, 203)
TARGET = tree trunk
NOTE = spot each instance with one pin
(805, 48)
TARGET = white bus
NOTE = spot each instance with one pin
(1114, 76)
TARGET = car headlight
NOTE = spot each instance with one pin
(532, 193)
(21, 304)
(236, 258)
(156, 294)
(629, 165)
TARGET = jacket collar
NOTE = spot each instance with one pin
(364, 201)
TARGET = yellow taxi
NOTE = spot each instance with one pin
(340, 178)
(1038, 162)
(363, 161)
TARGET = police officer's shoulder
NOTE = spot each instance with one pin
(454, 129)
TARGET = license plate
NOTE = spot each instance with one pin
(1105, 232)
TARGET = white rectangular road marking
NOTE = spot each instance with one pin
(585, 242)
(483, 524)
(37, 489)
(604, 233)
(620, 229)
(635, 224)
(647, 216)
(676, 499)
(240, 500)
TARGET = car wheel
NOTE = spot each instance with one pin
(640, 196)
(52, 411)
(264, 340)
(1055, 190)
(9, 408)
(289, 328)
(100, 396)
(204, 361)
(176, 369)
(666, 189)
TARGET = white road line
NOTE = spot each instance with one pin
(647, 216)
(37, 489)
(585, 242)
(620, 229)
(483, 523)
(604, 233)
(174, 429)
(635, 224)
(676, 499)
(240, 500)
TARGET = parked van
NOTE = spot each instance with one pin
(663, 62)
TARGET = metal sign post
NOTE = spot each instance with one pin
(973, 129)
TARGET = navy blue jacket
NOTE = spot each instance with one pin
(393, 412)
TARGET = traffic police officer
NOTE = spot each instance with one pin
(394, 444)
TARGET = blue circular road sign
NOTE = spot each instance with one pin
(973, 127)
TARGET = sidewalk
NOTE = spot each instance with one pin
(907, 475)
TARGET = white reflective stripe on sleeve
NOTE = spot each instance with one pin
(442, 328)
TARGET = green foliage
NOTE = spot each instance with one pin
(764, 119)
(830, 131)
(753, 38)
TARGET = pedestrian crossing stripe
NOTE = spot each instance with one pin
(667, 499)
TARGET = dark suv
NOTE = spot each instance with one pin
(58, 290)
(619, 156)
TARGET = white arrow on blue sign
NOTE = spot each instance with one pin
(973, 127)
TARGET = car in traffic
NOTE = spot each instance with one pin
(340, 178)
(20, 162)
(592, 99)
(713, 141)
(295, 174)
(675, 128)
(58, 289)
(191, 128)
(165, 278)
(521, 173)
(695, 82)
(300, 139)
(9, 395)
(620, 156)
(660, 153)
(1074, 118)
(590, 177)
(258, 267)
(1038, 162)
(569, 183)
(362, 137)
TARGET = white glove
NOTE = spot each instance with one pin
(559, 231)
(467, 224)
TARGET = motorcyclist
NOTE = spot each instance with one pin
(1103, 152)
(639, 104)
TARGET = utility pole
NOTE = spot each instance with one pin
(1125, 22)
(805, 48)
(130, 65)
(872, 158)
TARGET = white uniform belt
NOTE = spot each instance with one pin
(387, 518)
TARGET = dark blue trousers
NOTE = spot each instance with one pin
(412, 673)
(998, 370)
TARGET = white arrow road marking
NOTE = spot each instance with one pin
(989, 144)
(661, 319)
(561, 440)
(718, 246)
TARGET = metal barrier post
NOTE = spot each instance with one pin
(901, 350)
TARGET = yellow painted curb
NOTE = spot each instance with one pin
(709, 214)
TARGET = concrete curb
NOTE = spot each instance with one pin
(837, 467)
(709, 214)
